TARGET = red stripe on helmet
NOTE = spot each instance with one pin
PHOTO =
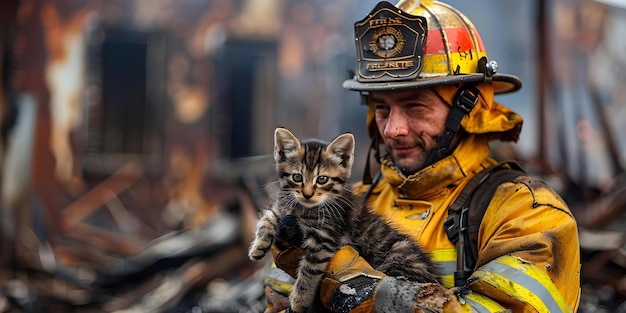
(459, 40)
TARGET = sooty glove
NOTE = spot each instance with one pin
(352, 285)
(286, 249)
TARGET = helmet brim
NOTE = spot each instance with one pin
(502, 83)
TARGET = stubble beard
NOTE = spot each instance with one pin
(419, 161)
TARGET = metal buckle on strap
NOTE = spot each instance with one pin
(456, 223)
(467, 98)
(449, 225)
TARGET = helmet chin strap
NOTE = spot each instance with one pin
(465, 100)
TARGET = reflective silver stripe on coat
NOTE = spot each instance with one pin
(482, 304)
(521, 280)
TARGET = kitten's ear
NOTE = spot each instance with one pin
(285, 144)
(342, 147)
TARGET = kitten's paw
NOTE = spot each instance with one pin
(256, 255)
(291, 310)
(257, 252)
(298, 307)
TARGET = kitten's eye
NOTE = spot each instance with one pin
(322, 180)
(297, 178)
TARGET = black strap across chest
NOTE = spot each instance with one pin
(465, 214)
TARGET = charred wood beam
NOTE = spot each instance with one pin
(105, 240)
(120, 181)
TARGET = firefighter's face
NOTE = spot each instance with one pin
(411, 122)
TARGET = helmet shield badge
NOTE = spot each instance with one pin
(390, 44)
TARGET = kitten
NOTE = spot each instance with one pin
(313, 177)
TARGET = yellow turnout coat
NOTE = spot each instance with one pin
(528, 250)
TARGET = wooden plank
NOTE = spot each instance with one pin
(91, 201)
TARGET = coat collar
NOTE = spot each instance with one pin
(444, 174)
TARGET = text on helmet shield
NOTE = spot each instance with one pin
(390, 44)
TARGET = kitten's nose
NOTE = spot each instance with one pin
(307, 195)
(308, 192)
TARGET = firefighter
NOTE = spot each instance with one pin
(429, 88)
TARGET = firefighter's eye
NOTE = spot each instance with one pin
(297, 178)
(322, 180)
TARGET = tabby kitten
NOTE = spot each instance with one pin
(313, 177)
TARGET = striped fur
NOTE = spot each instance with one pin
(313, 177)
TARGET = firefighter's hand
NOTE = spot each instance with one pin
(286, 248)
(276, 302)
(352, 285)
(278, 285)
(287, 259)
